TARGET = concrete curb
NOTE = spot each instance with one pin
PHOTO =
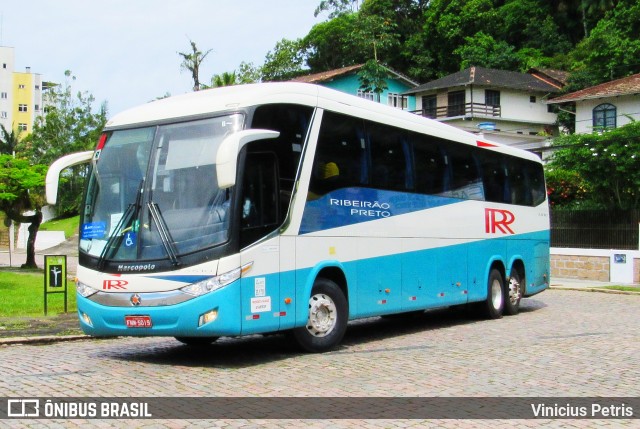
(595, 289)
(43, 339)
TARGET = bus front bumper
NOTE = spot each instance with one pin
(212, 315)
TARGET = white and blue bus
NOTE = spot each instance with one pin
(292, 207)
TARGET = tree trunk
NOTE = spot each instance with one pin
(34, 220)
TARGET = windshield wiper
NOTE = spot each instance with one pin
(129, 214)
(163, 231)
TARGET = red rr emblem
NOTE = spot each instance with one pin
(114, 284)
(498, 220)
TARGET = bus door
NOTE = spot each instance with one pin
(259, 210)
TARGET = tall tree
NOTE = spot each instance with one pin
(337, 7)
(612, 49)
(21, 190)
(69, 125)
(284, 62)
(191, 61)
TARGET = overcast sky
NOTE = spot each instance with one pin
(125, 52)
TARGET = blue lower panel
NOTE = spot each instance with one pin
(176, 320)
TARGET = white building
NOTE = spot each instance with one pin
(608, 105)
(504, 106)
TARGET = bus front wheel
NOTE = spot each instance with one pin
(494, 305)
(327, 318)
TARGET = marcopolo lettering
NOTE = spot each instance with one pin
(129, 268)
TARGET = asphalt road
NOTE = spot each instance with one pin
(563, 344)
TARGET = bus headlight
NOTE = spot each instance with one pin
(213, 283)
(84, 289)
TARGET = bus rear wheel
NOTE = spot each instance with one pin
(493, 307)
(514, 294)
(327, 318)
(197, 341)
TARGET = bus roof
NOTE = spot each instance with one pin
(205, 103)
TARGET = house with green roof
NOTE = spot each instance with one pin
(346, 80)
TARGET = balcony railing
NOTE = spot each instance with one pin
(471, 110)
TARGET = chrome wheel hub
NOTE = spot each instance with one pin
(322, 315)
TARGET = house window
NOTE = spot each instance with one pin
(492, 97)
(4, 65)
(532, 98)
(604, 116)
(455, 103)
(367, 95)
(22, 127)
(22, 107)
(37, 107)
(397, 100)
(3, 115)
(430, 106)
(21, 86)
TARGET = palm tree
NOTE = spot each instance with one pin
(224, 79)
(8, 140)
(191, 61)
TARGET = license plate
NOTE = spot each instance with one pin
(138, 321)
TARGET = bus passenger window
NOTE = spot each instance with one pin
(465, 179)
(430, 167)
(340, 159)
(389, 156)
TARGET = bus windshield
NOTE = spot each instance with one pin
(153, 192)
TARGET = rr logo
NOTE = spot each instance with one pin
(495, 219)
(114, 284)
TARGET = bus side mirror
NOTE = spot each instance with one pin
(53, 174)
(227, 156)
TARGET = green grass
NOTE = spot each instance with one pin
(622, 288)
(69, 225)
(23, 295)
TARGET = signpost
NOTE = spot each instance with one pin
(55, 277)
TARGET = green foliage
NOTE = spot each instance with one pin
(21, 184)
(69, 125)
(608, 163)
(224, 79)
(428, 39)
(612, 49)
(566, 189)
(484, 51)
(8, 140)
(284, 62)
(373, 77)
(247, 73)
(329, 45)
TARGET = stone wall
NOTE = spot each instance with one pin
(593, 264)
(580, 267)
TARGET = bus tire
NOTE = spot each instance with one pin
(197, 341)
(327, 318)
(513, 293)
(493, 307)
